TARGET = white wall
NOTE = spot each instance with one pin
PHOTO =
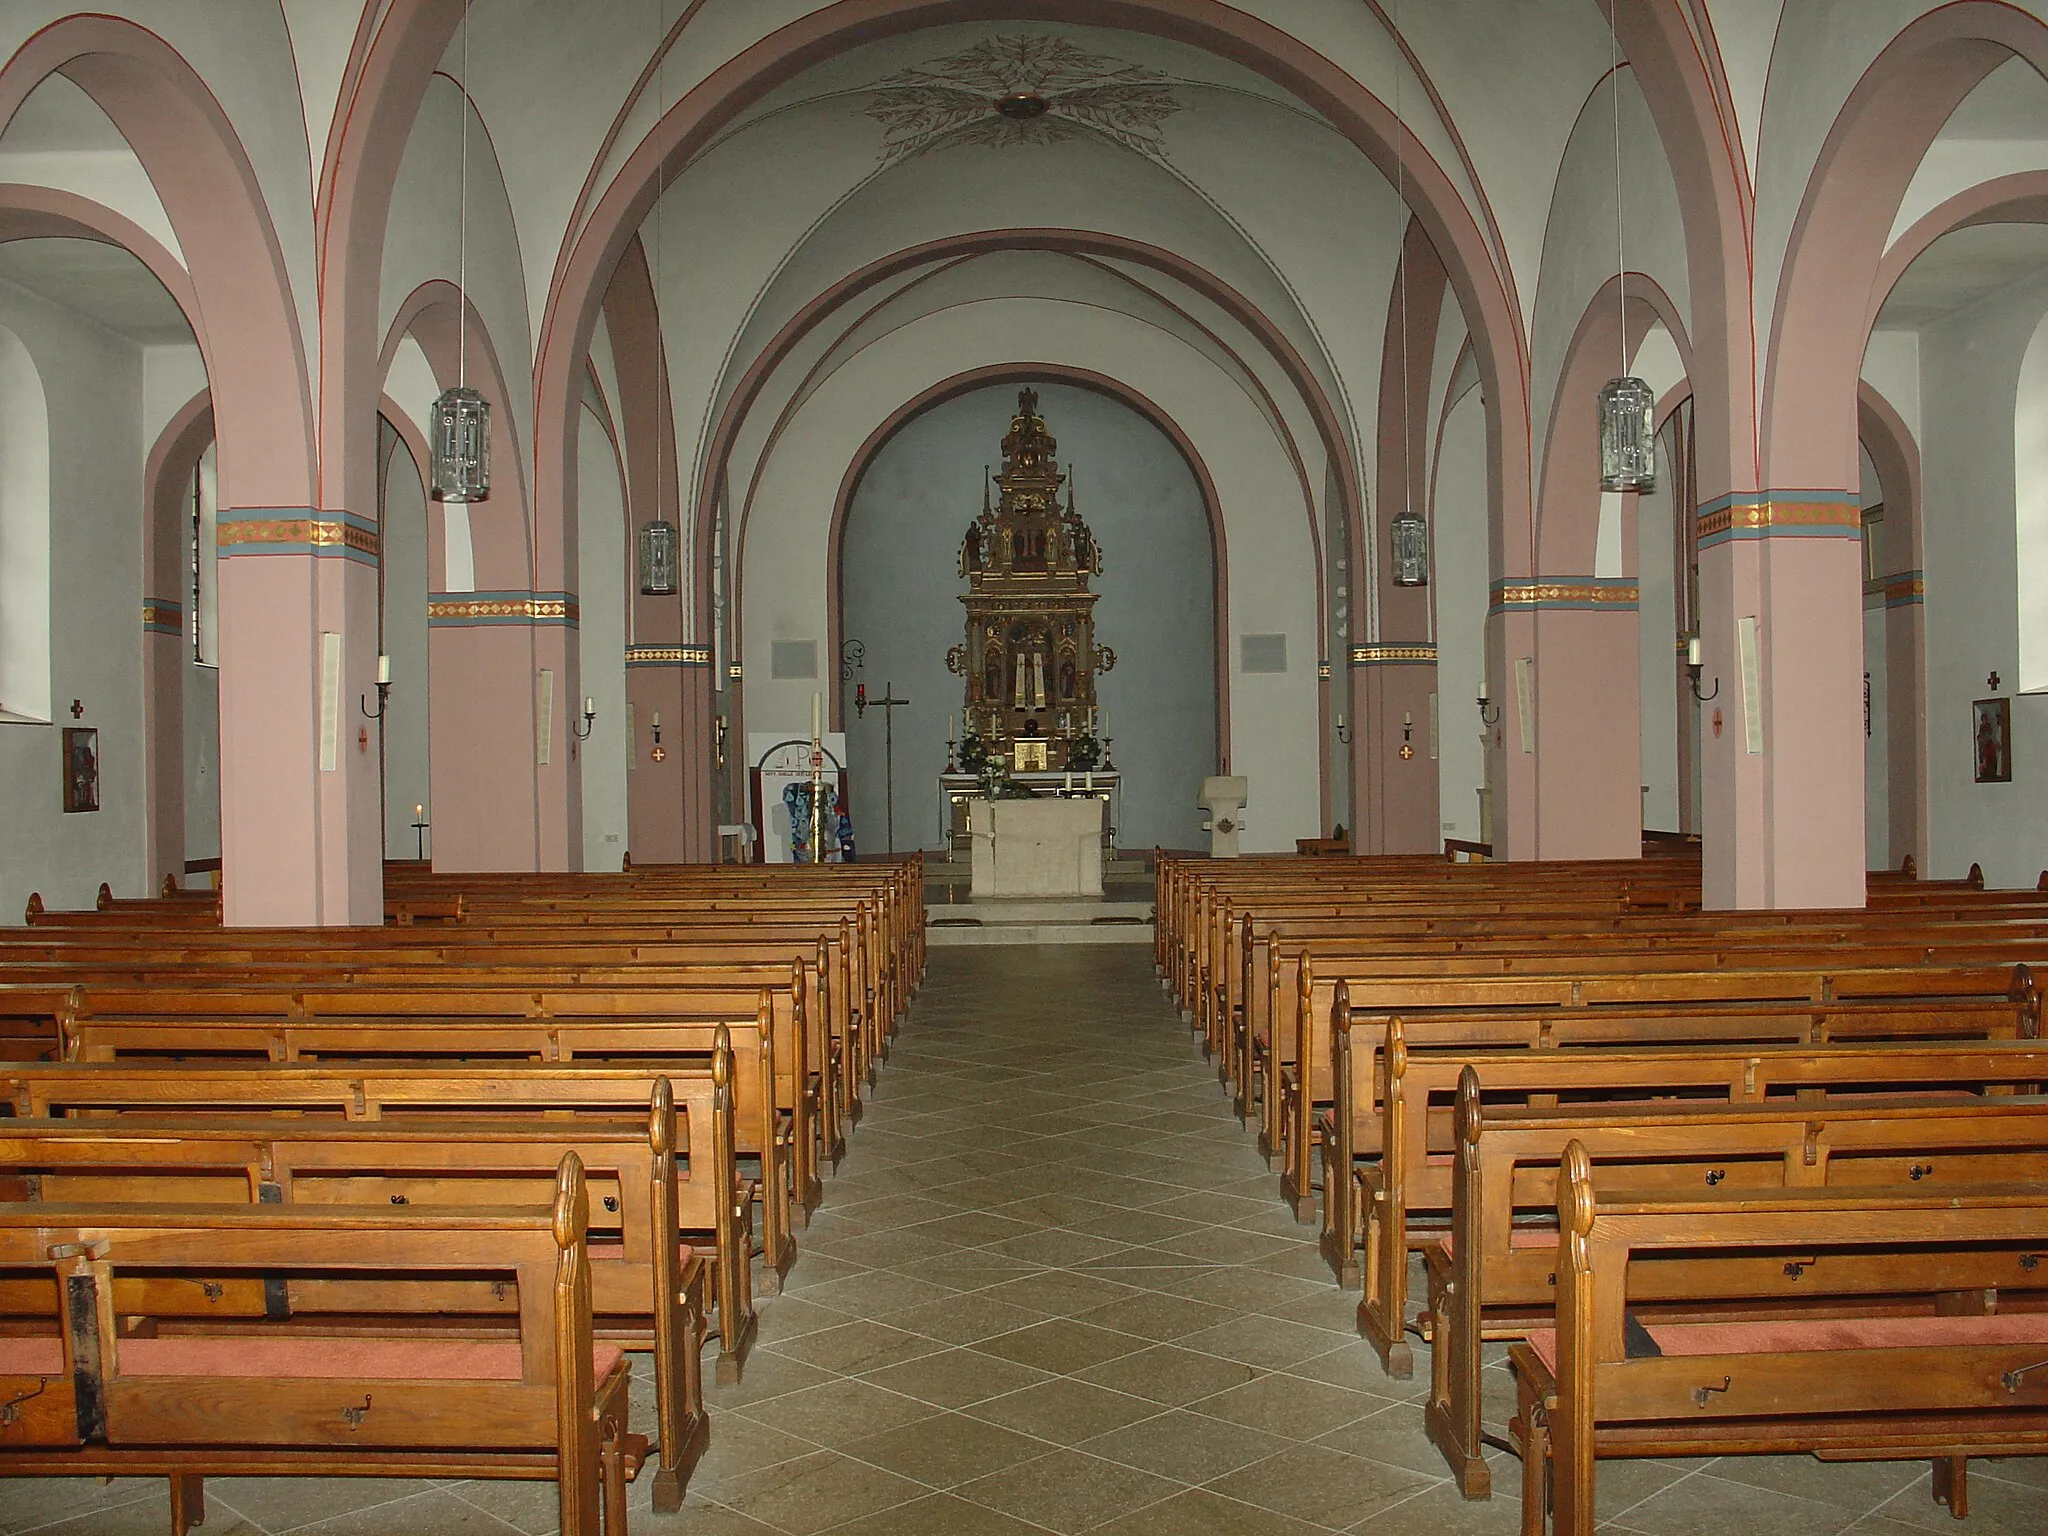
(93, 380)
(1970, 368)
(901, 600)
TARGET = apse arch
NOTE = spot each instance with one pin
(586, 260)
(1153, 507)
(1081, 378)
(1070, 242)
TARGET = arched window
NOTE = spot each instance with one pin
(24, 537)
(2030, 510)
(202, 562)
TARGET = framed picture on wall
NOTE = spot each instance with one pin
(1991, 740)
(81, 768)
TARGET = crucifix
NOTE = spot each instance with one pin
(888, 704)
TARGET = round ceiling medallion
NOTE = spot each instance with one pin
(1022, 106)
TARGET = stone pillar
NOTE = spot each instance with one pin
(1511, 741)
(299, 837)
(1905, 670)
(496, 804)
(655, 689)
(1588, 713)
(166, 643)
(1783, 758)
(1394, 798)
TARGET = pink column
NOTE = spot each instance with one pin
(299, 836)
(166, 644)
(1783, 803)
(1394, 798)
(1510, 771)
(655, 688)
(1905, 663)
(496, 805)
(1589, 802)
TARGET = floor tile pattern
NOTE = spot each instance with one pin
(1053, 1289)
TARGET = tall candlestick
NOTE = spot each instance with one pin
(817, 716)
(952, 721)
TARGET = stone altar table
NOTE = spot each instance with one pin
(1036, 848)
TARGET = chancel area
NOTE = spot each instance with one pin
(1000, 766)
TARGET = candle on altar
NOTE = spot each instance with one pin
(817, 716)
(952, 734)
(1020, 685)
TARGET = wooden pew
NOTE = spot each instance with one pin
(714, 1202)
(1352, 1128)
(1613, 984)
(645, 1287)
(1414, 1173)
(1492, 1274)
(1845, 1387)
(98, 1395)
(465, 1023)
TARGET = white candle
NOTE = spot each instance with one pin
(419, 813)
(1692, 651)
(656, 722)
(1479, 689)
(1407, 719)
(1068, 784)
(817, 716)
(589, 706)
(952, 733)
(383, 669)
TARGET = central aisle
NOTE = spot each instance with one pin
(1053, 1283)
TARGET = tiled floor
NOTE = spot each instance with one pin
(1052, 1288)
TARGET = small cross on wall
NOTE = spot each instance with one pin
(1991, 682)
(77, 709)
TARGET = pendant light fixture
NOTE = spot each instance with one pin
(660, 541)
(1407, 534)
(1628, 454)
(462, 417)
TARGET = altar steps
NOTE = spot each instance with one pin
(1026, 921)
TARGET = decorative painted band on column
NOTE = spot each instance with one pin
(1781, 514)
(296, 531)
(1322, 671)
(1393, 655)
(1899, 591)
(1601, 594)
(668, 655)
(477, 610)
(163, 616)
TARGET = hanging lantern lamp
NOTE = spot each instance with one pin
(660, 544)
(1410, 548)
(1628, 453)
(462, 446)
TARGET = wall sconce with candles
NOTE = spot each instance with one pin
(1489, 712)
(658, 753)
(1343, 731)
(383, 691)
(1692, 669)
(589, 719)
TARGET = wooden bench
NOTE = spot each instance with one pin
(1847, 1387)
(645, 1287)
(1351, 1129)
(713, 1201)
(1492, 1275)
(459, 1023)
(99, 1394)
(1414, 1174)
